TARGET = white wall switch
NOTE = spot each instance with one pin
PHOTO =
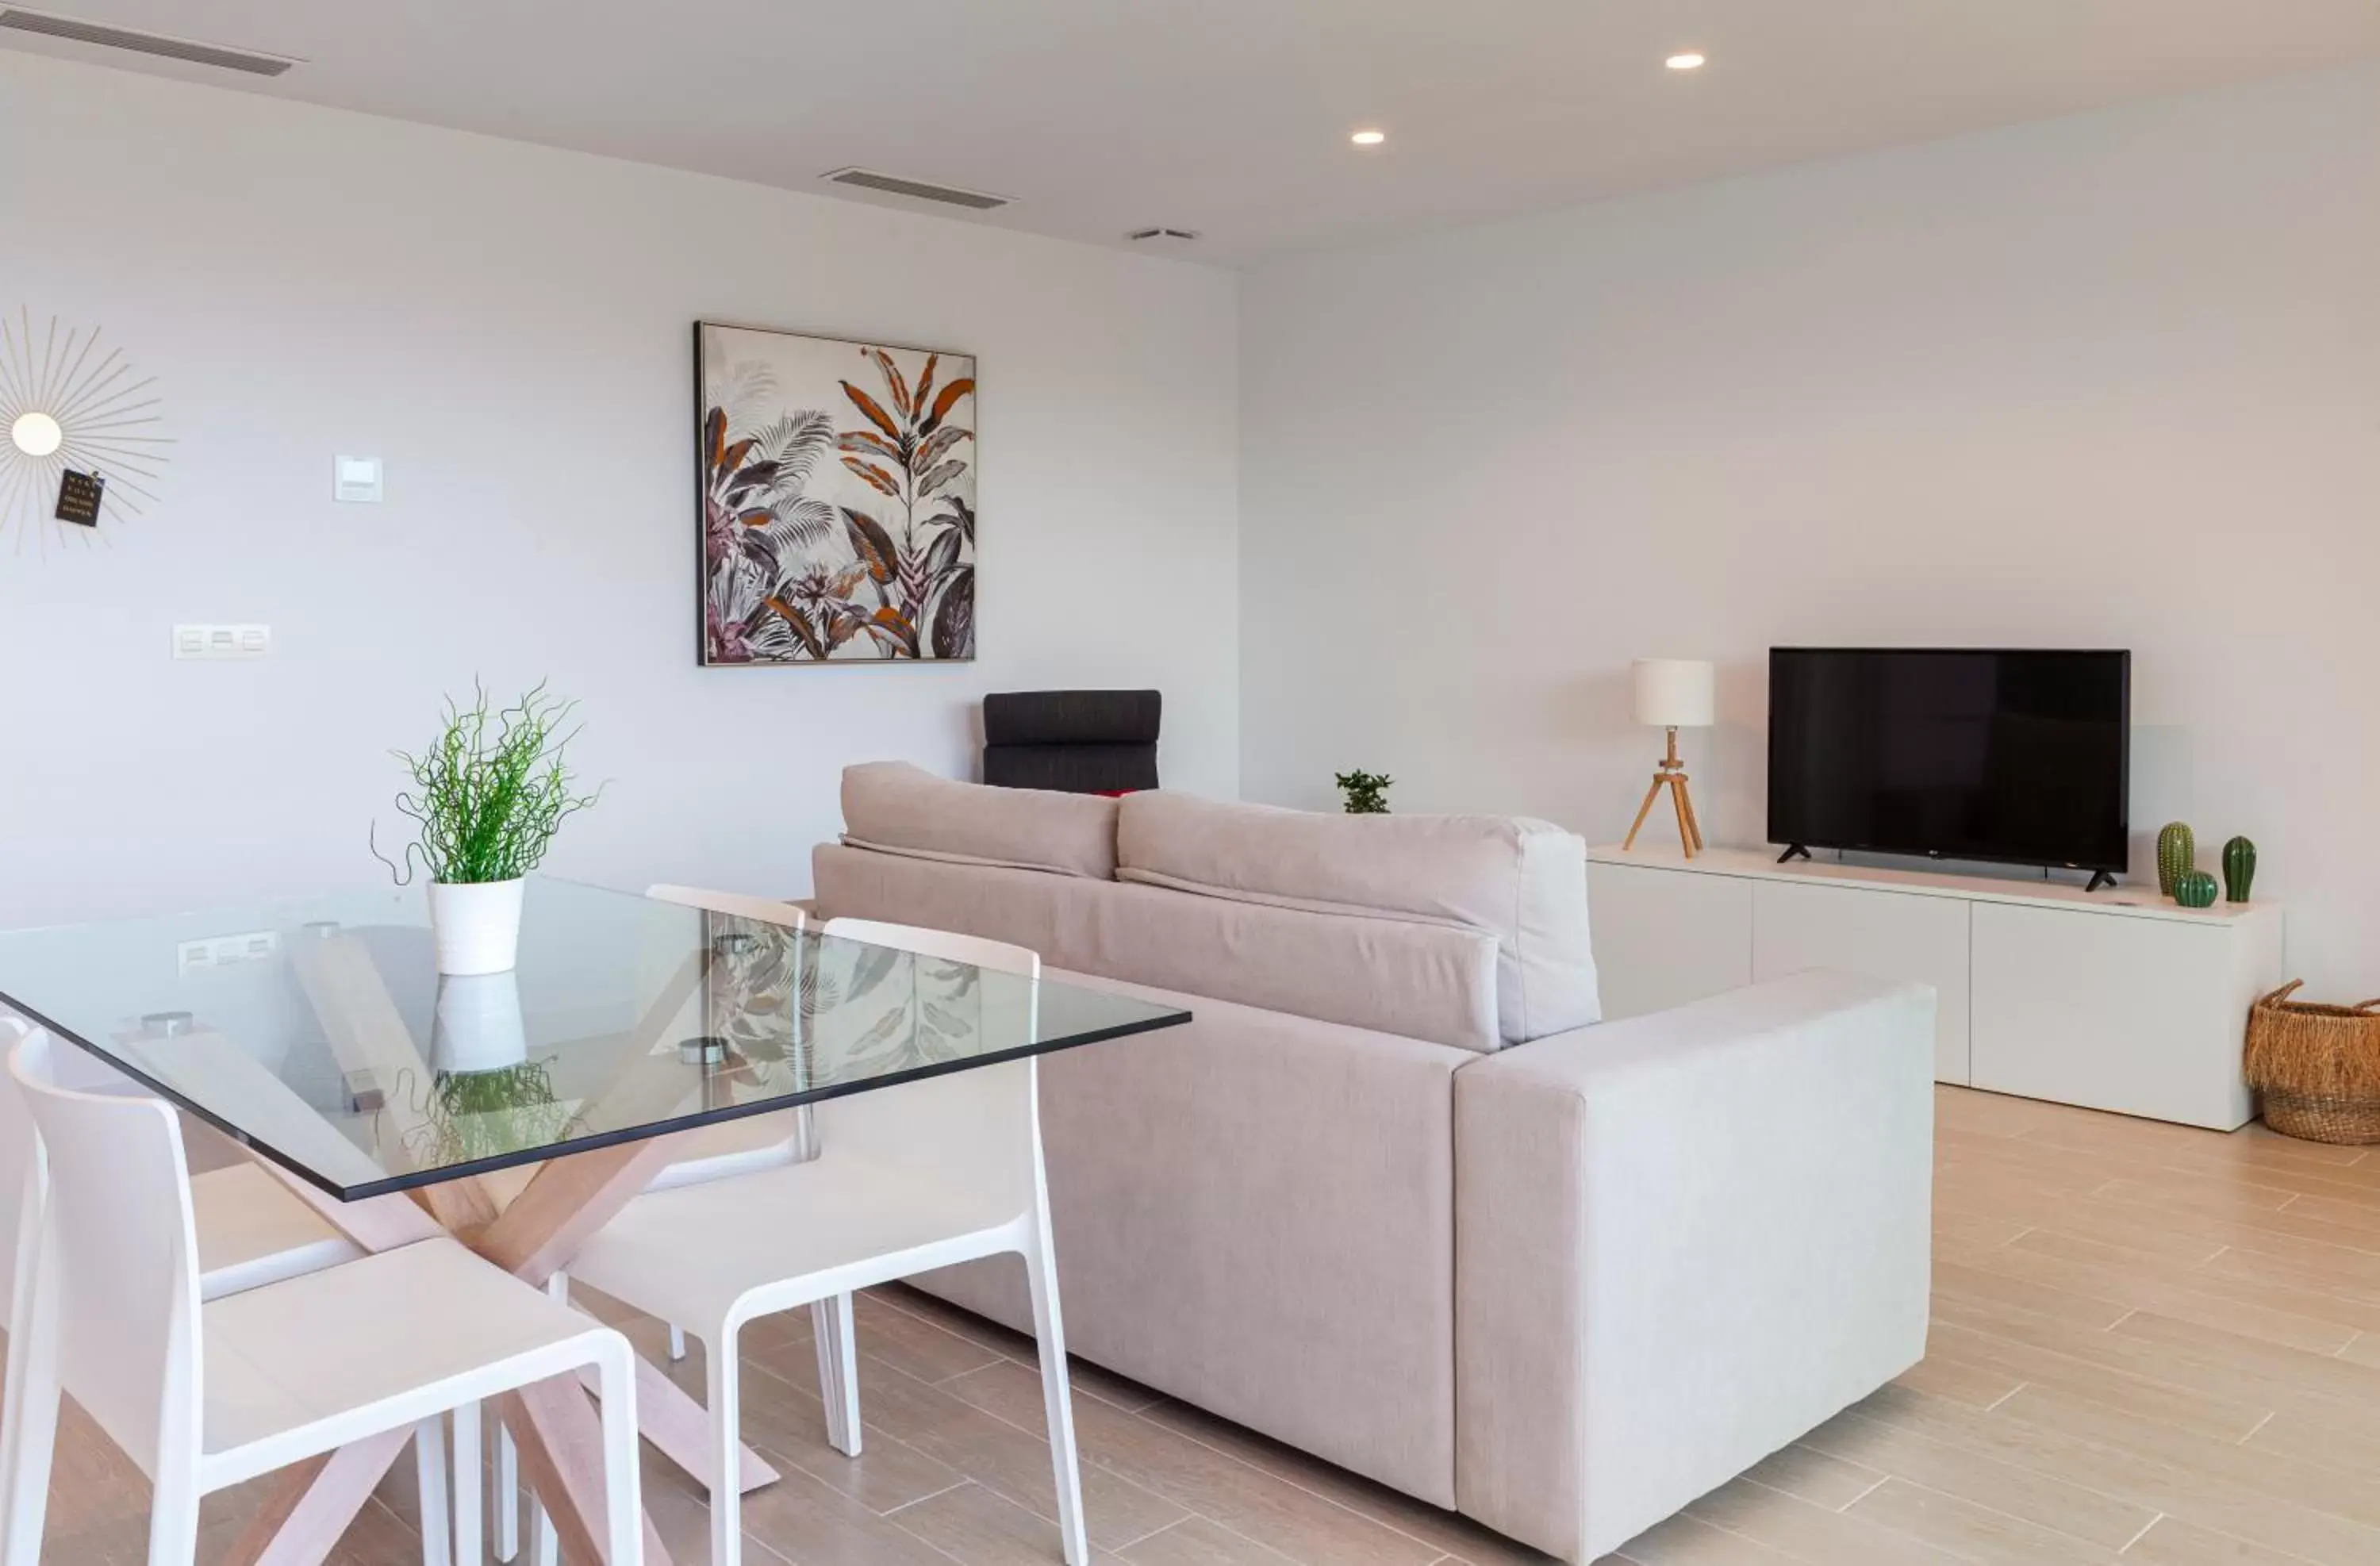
(355, 478)
(222, 641)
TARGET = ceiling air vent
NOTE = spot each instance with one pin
(74, 31)
(893, 185)
(1144, 236)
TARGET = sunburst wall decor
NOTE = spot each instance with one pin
(70, 406)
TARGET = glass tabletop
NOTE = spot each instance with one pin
(319, 1031)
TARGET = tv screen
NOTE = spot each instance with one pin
(2022, 757)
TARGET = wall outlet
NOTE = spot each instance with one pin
(222, 641)
(224, 951)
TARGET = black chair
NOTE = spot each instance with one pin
(1072, 741)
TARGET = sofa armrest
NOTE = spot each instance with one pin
(1681, 1241)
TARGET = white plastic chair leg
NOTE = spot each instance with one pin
(677, 1343)
(507, 1495)
(32, 1417)
(33, 1411)
(173, 1522)
(545, 1540)
(469, 1486)
(720, 1356)
(28, 1406)
(838, 1369)
(12, 1389)
(430, 1479)
(624, 1509)
(1050, 1336)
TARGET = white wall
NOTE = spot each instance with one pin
(2113, 381)
(510, 328)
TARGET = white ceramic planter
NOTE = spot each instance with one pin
(479, 1025)
(477, 927)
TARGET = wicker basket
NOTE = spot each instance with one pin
(2318, 1067)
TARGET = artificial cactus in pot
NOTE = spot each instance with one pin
(2177, 852)
(2238, 869)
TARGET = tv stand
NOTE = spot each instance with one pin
(2114, 1000)
(1792, 850)
(2098, 880)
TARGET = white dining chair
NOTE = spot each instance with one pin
(740, 1146)
(251, 1231)
(903, 1180)
(762, 1142)
(717, 1152)
(743, 905)
(203, 1394)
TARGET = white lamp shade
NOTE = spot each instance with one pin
(1676, 693)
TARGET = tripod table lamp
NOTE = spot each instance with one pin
(1674, 693)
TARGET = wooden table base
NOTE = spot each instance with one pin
(315, 1503)
(561, 1442)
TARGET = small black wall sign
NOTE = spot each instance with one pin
(79, 497)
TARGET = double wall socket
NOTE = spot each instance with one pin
(224, 951)
(222, 641)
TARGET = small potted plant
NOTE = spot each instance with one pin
(488, 795)
(1367, 793)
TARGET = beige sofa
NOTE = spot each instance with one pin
(1394, 1196)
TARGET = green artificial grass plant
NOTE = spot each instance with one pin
(490, 792)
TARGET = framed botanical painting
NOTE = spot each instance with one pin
(838, 500)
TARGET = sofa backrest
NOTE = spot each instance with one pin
(1432, 981)
(1317, 914)
(1523, 881)
(899, 809)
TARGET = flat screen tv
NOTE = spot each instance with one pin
(2020, 758)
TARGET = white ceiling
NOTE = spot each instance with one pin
(1231, 116)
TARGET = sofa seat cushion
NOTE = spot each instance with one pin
(894, 807)
(1426, 981)
(1521, 881)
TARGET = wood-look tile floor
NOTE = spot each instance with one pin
(2150, 1345)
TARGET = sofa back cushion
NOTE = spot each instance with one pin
(1521, 881)
(894, 807)
(1434, 981)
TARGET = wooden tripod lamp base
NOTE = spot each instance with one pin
(1670, 774)
(1674, 693)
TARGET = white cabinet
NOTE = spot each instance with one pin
(1663, 939)
(2141, 1016)
(2114, 1000)
(1799, 925)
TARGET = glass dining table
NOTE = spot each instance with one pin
(517, 1111)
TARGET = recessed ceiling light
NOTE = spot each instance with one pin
(1368, 137)
(1687, 62)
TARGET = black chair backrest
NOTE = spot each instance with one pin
(1072, 741)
